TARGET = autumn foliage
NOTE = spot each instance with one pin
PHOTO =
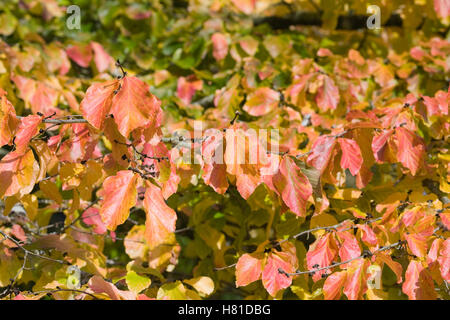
(198, 149)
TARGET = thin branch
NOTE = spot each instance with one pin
(363, 255)
(26, 251)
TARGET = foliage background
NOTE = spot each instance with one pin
(205, 60)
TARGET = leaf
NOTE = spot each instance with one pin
(135, 246)
(101, 58)
(98, 285)
(417, 244)
(119, 196)
(128, 100)
(249, 269)
(8, 119)
(137, 283)
(351, 155)
(272, 279)
(214, 170)
(349, 247)
(379, 144)
(186, 88)
(411, 149)
(91, 217)
(220, 46)
(97, 101)
(81, 54)
(261, 101)
(356, 282)
(394, 266)
(332, 288)
(161, 219)
(328, 94)
(444, 260)
(293, 186)
(18, 173)
(203, 285)
(321, 254)
(321, 152)
(418, 284)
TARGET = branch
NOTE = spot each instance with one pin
(363, 255)
(345, 22)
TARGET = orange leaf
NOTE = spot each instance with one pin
(249, 268)
(351, 155)
(8, 119)
(356, 282)
(418, 283)
(411, 149)
(261, 101)
(272, 279)
(161, 219)
(332, 288)
(321, 254)
(18, 173)
(119, 195)
(293, 186)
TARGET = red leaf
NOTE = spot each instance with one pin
(101, 58)
(97, 102)
(249, 269)
(91, 217)
(418, 284)
(8, 119)
(332, 288)
(220, 46)
(349, 248)
(368, 236)
(261, 101)
(328, 94)
(135, 107)
(379, 145)
(293, 186)
(351, 155)
(417, 244)
(356, 282)
(214, 170)
(128, 99)
(161, 219)
(321, 254)
(18, 173)
(81, 54)
(272, 279)
(444, 260)
(321, 152)
(411, 149)
(186, 88)
(119, 196)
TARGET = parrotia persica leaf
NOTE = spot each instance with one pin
(293, 186)
(273, 280)
(18, 173)
(418, 284)
(119, 196)
(356, 282)
(321, 152)
(411, 149)
(249, 268)
(8, 119)
(321, 254)
(128, 100)
(332, 288)
(261, 101)
(161, 219)
(351, 155)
